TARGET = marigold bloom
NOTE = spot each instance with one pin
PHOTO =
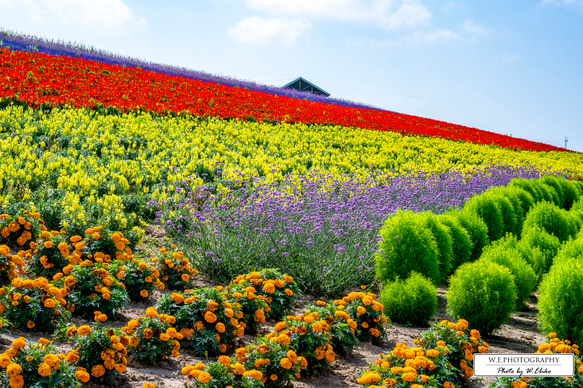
(204, 377)
(84, 330)
(97, 371)
(13, 369)
(210, 317)
(44, 369)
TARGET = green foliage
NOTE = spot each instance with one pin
(101, 351)
(530, 186)
(572, 192)
(477, 230)
(522, 201)
(175, 270)
(532, 255)
(217, 374)
(254, 307)
(489, 211)
(554, 183)
(483, 293)
(371, 322)
(138, 277)
(551, 219)
(546, 243)
(93, 289)
(410, 301)
(560, 304)
(280, 290)
(343, 338)
(19, 229)
(275, 361)
(442, 237)
(550, 194)
(153, 337)
(39, 366)
(461, 243)
(406, 245)
(34, 304)
(205, 318)
(511, 258)
(51, 254)
(570, 249)
(509, 207)
(461, 342)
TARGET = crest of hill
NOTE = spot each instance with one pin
(17, 41)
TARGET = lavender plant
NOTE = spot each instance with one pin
(320, 230)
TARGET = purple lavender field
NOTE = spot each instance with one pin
(324, 232)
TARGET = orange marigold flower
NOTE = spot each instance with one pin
(210, 317)
(204, 377)
(151, 312)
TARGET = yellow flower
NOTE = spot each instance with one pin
(144, 293)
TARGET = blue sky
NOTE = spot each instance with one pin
(511, 67)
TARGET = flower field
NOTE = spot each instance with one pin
(270, 199)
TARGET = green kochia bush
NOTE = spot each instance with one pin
(532, 255)
(551, 219)
(560, 303)
(442, 236)
(489, 211)
(522, 201)
(532, 187)
(477, 230)
(570, 249)
(509, 217)
(547, 244)
(557, 187)
(406, 245)
(483, 293)
(461, 242)
(524, 275)
(410, 301)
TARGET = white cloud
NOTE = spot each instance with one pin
(431, 37)
(110, 15)
(473, 28)
(511, 58)
(255, 29)
(387, 14)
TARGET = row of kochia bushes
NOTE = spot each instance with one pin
(492, 253)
